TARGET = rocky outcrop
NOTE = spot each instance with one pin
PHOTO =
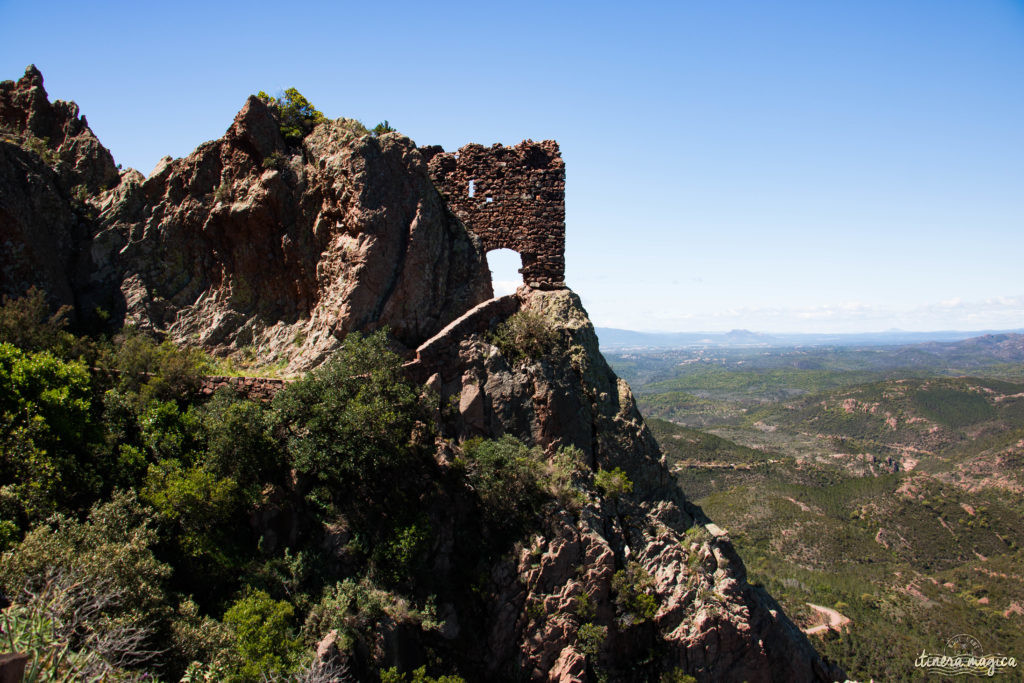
(50, 162)
(709, 623)
(249, 243)
(56, 132)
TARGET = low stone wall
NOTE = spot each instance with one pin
(442, 350)
(257, 388)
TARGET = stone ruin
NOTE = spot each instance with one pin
(511, 198)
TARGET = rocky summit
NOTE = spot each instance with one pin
(277, 247)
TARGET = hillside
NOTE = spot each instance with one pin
(450, 486)
(894, 501)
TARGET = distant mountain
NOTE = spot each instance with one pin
(1007, 347)
(613, 339)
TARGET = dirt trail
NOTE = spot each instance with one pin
(836, 621)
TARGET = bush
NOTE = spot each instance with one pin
(46, 425)
(239, 443)
(614, 484)
(398, 557)
(591, 638)
(111, 552)
(525, 334)
(28, 323)
(197, 505)
(356, 611)
(633, 587)
(419, 675)
(168, 432)
(507, 476)
(347, 425)
(202, 644)
(161, 372)
(296, 115)
(264, 641)
(274, 160)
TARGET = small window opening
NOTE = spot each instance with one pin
(489, 199)
(505, 276)
(472, 188)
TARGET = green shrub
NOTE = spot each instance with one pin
(169, 432)
(508, 478)
(382, 128)
(614, 483)
(296, 115)
(197, 505)
(633, 588)
(28, 323)
(419, 675)
(264, 642)
(222, 194)
(357, 609)
(584, 606)
(274, 160)
(161, 372)
(347, 425)
(201, 644)
(566, 474)
(397, 558)
(591, 638)
(525, 335)
(239, 442)
(110, 551)
(46, 426)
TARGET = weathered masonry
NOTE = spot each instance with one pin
(511, 198)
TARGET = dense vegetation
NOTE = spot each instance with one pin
(147, 529)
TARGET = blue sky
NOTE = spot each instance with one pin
(784, 166)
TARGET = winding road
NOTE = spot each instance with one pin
(836, 621)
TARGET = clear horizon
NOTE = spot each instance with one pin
(1015, 330)
(805, 167)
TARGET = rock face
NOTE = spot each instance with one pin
(50, 162)
(709, 622)
(246, 245)
(252, 245)
(249, 243)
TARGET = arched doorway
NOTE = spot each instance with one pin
(504, 265)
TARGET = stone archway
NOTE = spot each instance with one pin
(511, 198)
(506, 270)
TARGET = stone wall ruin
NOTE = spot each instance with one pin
(511, 198)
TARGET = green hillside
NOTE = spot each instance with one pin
(898, 502)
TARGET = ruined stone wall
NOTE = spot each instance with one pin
(511, 198)
(256, 388)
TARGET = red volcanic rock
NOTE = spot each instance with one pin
(49, 161)
(27, 117)
(250, 244)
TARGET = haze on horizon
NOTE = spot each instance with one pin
(804, 167)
